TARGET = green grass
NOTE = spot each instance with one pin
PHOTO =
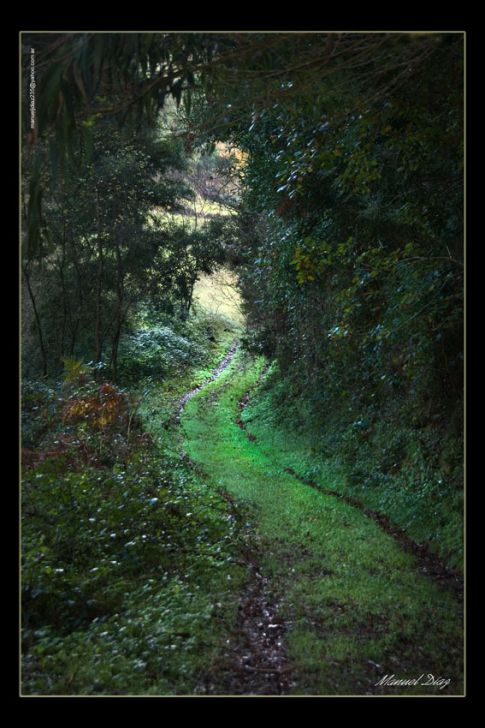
(201, 208)
(357, 605)
(159, 401)
(161, 617)
(417, 499)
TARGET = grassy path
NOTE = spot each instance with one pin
(354, 605)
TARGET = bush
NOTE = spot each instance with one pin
(107, 559)
(40, 405)
(124, 549)
(157, 352)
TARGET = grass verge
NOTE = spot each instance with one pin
(418, 497)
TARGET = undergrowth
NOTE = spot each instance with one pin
(411, 475)
(130, 567)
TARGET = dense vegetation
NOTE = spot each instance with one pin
(126, 552)
(323, 174)
(353, 283)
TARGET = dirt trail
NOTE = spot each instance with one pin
(259, 661)
(215, 373)
(262, 665)
(322, 581)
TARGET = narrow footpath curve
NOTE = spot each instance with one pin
(215, 373)
(260, 664)
(348, 604)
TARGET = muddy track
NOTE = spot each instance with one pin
(259, 664)
(429, 563)
(263, 665)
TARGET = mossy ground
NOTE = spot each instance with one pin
(356, 605)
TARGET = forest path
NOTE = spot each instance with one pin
(259, 661)
(333, 603)
(215, 373)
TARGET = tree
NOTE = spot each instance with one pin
(108, 250)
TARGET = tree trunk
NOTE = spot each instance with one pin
(37, 320)
(99, 273)
(114, 354)
(73, 338)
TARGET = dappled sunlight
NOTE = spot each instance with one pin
(218, 294)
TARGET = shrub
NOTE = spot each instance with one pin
(157, 352)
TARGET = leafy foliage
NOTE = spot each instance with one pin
(350, 260)
(109, 250)
(125, 551)
(108, 563)
(158, 352)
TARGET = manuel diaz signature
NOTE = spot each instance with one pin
(429, 679)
